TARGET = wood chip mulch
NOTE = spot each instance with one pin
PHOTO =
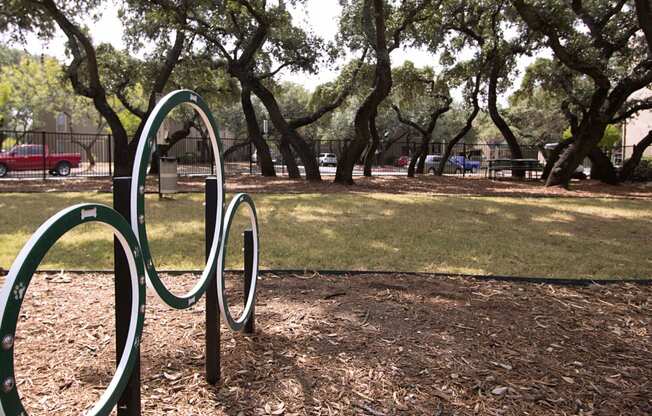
(433, 185)
(376, 344)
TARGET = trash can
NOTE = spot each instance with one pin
(167, 175)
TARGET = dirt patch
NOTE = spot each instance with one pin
(371, 344)
(434, 185)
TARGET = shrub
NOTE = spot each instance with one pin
(643, 172)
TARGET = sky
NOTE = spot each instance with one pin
(319, 15)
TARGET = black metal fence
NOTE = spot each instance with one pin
(465, 159)
(44, 154)
(51, 155)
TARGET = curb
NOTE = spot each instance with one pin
(564, 281)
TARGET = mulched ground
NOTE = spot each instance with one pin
(365, 345)
(389, 184)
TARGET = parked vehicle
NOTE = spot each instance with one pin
(462, 162)
(402, 161)
(432, 162)
(452, 165)
(327, 159)
(35, 157)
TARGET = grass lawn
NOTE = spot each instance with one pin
(552, 237)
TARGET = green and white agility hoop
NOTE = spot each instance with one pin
(18, 280)
(144, 151)
(238, 324)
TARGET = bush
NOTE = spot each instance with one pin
(643, 172)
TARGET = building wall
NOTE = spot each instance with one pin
(636, 128)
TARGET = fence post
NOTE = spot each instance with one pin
(251, 161)
(465, 157)
(212, 360)
(248, 237)
(43, 155)
(108, 141)
(212, 157)
(129, 402)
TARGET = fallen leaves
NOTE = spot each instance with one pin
(480, 352)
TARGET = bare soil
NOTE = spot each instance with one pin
(435, 185)
(376, 344)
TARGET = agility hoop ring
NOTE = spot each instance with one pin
(146, 146)
(217, 251)
(238, 324)
(18, 280)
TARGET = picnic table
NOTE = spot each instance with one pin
(529, 166)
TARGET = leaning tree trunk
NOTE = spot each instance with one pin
(601, 167)
(88, 151)
(464, 131)
(375, 141)
(413, 163)
(508, 135)
(288, 134)
(590, 133)
(554, 157)
(369, 107)
(425, 142)
(288, 159)
(264, 157)
(637, 154)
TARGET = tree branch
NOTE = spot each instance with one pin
(409, 18)
(644, 16)
(408, 122)
(635, 108)
(303, 121)
(571, 59)
(171, 60)
(126, 104)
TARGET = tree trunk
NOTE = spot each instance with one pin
(371, 153)
(637, 154)
(508, 135)
(601, 167)
(590, 132)
(423, 151)
(463, 132)
(88, 151)
(413, 162)
(554, 156)
(288, 134)
(264, 157)
(381, 89)
(288, 159)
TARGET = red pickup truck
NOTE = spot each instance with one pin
(30, 157)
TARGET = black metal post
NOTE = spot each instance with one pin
(251, 159)
(464, 160)
(248, 237)
(108, 140)
(129, 402)
(43, 155)
(212, 314)
(212, 157)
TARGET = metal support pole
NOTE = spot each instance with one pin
(464, 160)
(108, 140)
(251, 158)
(129, 402)
(212, 314)
(248, 237)
(43, 155)
(212, 157)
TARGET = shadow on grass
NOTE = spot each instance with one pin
(552, 237)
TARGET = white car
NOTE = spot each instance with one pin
(327, 159)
